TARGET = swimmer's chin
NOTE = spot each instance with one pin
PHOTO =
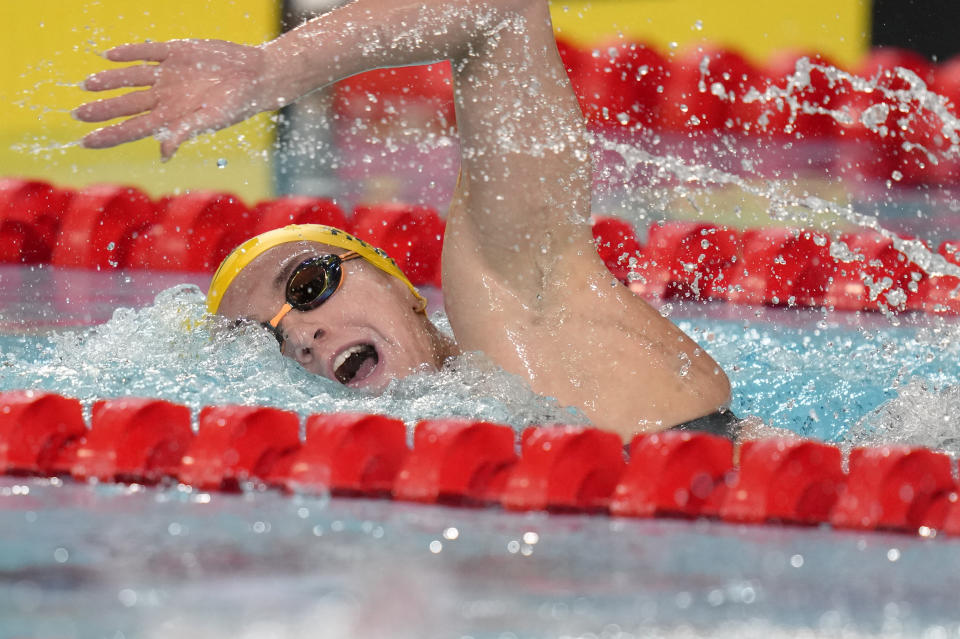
(389, 382)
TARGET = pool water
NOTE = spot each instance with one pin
(84, 560)
(831, 376)
(116, 561)
(79, 560)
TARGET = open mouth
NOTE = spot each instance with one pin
(355, 363)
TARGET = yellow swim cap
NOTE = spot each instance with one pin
(241, 256)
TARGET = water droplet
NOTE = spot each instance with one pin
(221, 163)
(715, 597)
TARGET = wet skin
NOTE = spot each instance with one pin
(372, 317)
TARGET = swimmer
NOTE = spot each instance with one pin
(521, 276)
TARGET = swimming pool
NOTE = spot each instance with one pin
(152, 561)
(170, 559)
(97, 561)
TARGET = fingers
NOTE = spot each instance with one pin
(149, 51)
(143, 75)
(129, 104)
(202, 121)
(126, 131)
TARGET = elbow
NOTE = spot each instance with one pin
(717, 384)
(727, 393)
(709, 390)
(719, 393)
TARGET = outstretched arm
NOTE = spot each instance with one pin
(196, 86)
(522, 279)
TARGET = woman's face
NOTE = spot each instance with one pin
(367, 333)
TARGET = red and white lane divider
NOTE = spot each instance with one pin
(109, 226)
(465, 462)
(775, 267)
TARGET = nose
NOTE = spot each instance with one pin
(301, 343)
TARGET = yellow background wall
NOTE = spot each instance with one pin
(757, 28)
(48, 46)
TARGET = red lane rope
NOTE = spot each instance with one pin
(107, 227)
(467, 462)
(628, 87)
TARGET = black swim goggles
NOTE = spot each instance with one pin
(311, 283)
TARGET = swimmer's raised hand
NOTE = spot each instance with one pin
(194, 86)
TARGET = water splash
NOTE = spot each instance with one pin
(923, 410)
(171, 350)
(912, 101)
(922, 414)
(784, 205)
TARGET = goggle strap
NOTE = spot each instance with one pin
(279, 316)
